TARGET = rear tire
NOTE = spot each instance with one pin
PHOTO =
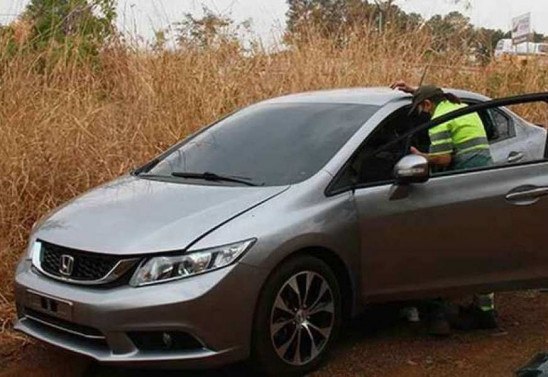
(297, 319)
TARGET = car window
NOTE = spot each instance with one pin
(364, 168)
(498, 125)
(367, 169)
(270, 144)
(517, 151)
(503, 125)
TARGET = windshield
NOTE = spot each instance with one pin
(269, 144)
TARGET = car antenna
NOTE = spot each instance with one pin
(408, 142)
(424, 75)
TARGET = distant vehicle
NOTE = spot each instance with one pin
(506, 47)
(258, 235)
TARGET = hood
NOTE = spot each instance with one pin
(133, 215)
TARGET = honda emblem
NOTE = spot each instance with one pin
(66, 265)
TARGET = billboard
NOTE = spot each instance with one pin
(521, 28)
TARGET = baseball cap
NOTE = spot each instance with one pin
(423, 93)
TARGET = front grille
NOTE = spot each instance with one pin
(87, 267)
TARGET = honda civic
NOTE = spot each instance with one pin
(257, 236)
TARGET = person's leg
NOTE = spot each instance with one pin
(485, 302)
(485, 311)
(438, 323)
(483, 307)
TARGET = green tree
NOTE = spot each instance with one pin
(210, 30)
(331, 18)
(8, 45)
(450, 32)
(60, 22)
(485, 42)
(327, 16)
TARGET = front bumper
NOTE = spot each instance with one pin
(215, 309)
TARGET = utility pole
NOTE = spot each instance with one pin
(380, 22)
(384, 8)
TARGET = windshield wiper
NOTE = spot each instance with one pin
(208, 176)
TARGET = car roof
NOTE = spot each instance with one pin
(376, 96)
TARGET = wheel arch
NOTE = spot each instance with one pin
(341, 270)
(343, 276)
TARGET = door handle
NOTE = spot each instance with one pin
(515, 157)
(525, 195)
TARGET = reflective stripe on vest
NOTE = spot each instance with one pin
(457, 136)
(443, 135)
(477, 143)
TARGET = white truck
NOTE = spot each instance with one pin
(506, 47)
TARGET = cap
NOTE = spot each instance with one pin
(423, 93)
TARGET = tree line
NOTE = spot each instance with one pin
(334, 18)
(91, 24)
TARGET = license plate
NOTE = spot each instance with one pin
(49, 305)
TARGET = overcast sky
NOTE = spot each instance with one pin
(268, 16)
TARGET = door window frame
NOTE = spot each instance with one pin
(511, 125)
(511, 120)
(332, 190)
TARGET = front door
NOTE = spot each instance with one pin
(454, 231)
(461, 232)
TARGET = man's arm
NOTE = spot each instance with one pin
(402, 85)
(441, 160)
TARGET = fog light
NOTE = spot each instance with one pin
(164, 341)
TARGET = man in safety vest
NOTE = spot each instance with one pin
(458, 144)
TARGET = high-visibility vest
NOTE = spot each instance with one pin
(465, 134)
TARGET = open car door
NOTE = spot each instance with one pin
(459, 232)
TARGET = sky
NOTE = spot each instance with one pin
(142, 17)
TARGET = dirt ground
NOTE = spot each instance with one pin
(374, 345)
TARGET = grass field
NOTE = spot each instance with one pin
(67, 130)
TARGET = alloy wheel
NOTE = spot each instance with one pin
(302, 318)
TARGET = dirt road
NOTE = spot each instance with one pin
(371, 346)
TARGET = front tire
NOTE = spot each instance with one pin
(298, 316)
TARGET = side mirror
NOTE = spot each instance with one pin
(412, 169)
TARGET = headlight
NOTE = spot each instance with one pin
(33, 248)
(170, 267)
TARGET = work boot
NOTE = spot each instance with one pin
(467, 319)
(484, 311)
(473, 318)
(411, 314)
(486, 319)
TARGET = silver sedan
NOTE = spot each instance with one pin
(255, 237)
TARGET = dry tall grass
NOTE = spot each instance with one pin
(66, 131)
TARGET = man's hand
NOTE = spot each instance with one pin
(443, 160)
(402, 85)
(417, 152)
